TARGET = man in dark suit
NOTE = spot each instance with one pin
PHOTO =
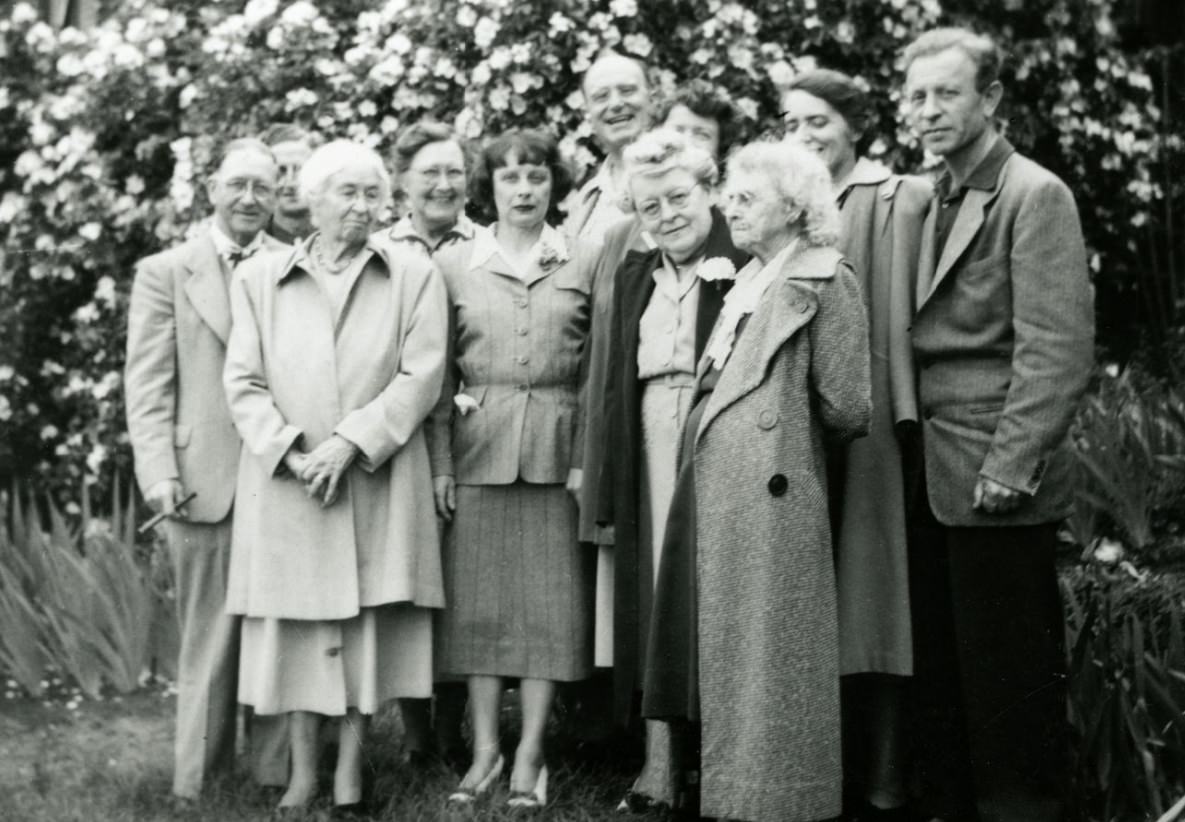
(1003, 336)
(184, 441)
(292, 146)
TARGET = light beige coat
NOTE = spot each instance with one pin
(294, 376)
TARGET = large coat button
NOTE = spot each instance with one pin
(767, 419)
(778, 484)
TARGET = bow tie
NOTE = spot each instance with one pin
(236, 256)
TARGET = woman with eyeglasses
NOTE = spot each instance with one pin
(432, 172)
(881, 217)
(665, 303)
(506, 442)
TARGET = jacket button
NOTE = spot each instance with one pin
(778, 484)
(767, 419)
(803, 307)
(333, 652)
(521, 387)
(523, 360)
(927, 413)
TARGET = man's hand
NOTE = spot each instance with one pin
(325, 466)
(163, 497)
(444, 491)
(993, 498)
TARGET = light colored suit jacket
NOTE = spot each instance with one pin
(1004, 338)
(178, 420)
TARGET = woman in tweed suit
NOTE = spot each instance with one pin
(747, 565)
(505, 441)
(881, 216)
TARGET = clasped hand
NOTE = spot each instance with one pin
(993, 498)
(322, 469)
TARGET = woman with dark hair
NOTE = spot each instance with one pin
(703, 115)
(881, 217)
(432, 171)
(506, 441)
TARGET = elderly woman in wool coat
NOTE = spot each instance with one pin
(336, 357)
(747, 577)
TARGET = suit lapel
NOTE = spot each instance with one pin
(206, 287)
(926, 261)
(784, 310)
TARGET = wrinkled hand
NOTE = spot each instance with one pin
(295, 461)
(444, 491)
(993, 498)
(162, 498)
(575, 480)
(325, 466)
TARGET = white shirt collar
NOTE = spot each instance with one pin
(225, 246)
(486, 247)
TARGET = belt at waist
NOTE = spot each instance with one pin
(679, 380)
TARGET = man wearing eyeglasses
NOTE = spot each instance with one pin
(187, 453)
(291, 145)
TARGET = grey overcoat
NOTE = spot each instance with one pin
(768, 640)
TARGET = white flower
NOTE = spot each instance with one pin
(299, 98)
(466, 404)
(23, 13)
(96, 458)
(499, 58)
(256, 11)
(5, 409)
(716, 268)
(275, 38)
(638, 44)
(389, 125)
(481, 74)
(367, 108)
(466, 16)
(105, 290)
(558, 24)
(90, 231)
(299, 13)
(388, 71)
(1112, 370)
(187, 96)
(155, 48)
(521, 82)
(70, 65)
(6, 373)
(398, 43)
(484, 33)
(49, 432)
(623, 8)
(1108, 551)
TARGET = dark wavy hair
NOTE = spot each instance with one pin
(532, 146)
(701, 98)
(843, 94)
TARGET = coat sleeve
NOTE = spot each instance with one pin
(840, 357)
(1053, 328)
(265, 431)
(612, 411)
(590, 256)
(150, 376)
(910, 203)
(382, 426)
(438, 427)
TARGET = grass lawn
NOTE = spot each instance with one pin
(112, 760)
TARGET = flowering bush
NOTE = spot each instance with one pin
(106, 136)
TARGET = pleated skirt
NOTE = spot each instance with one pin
(519, 586)
(329, 666)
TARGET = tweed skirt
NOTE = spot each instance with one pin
(328, 666)
(519, 585)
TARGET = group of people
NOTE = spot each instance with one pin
(783, 447)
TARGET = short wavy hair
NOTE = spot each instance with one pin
(529, 145)
(412, 140)
(662, 149)
(701, 98)
(799, 179)
(334, 157)
(983, 51)
(842, 93)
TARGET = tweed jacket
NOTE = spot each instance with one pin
(1004, 339)
(178, 323)
(296, 375)
(515, 347)
(768, 640)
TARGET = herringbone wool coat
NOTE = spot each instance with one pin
(768, 638)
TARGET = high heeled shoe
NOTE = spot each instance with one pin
(533, 799)
(467, 796)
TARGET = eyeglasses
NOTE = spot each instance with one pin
(678, 200)
(450, 173)
(238, 187)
